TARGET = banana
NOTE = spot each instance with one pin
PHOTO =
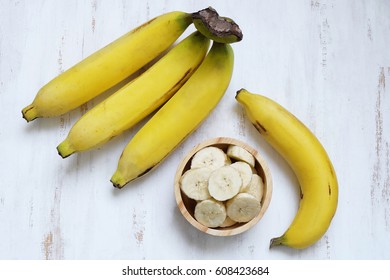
(245, 172)
(216, 28)
(255, 187)
(177, 118)
(210, 213)
(211, 157)
(107, 66)
(243, 207)
(195, 182)
(224, 183)
(240, 154)
(138, 98)
(309, 161)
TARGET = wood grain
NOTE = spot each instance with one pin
(326, 61)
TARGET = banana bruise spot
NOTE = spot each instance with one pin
(329, 189)
(259, 127)
(179, 83)
(142, 26)
(146, 171)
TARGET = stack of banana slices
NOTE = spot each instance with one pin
(225, 186)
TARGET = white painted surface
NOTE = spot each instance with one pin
(326, 61)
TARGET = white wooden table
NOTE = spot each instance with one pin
(327, 61)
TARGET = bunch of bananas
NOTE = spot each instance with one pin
(185, 84)
(183, 87)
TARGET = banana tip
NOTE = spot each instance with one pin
(29, 113)
(275, 242)
(116, 185)
(117, 180)
(64, 149)
(238, 91)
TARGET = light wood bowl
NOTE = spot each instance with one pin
(187, 205)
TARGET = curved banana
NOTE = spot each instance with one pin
(309, 161)
(137, 99)
(180, 116)
(107, 66)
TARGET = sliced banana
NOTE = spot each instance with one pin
(227, 223)
(211, 157)
(255, 187)
(224, 183)
(240, 154)
(245, 171)
(243, 207)
(210, 213)
(194, 183)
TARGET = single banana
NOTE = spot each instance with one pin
(195, 183)
(178, 118)
(245, 171)
(210, 213)
(211, 157)
(243, 207)
(224, 183)
(138, 98)
(107, 66)
(240, 154)
(307, 158)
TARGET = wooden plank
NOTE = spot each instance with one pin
(326, 61)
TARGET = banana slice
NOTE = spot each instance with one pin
(245, 171)
(194, 183)
(210, 157)
(227, 223)
(255, 187)
(224, 183)
(210, 213)
(243, 207)
(240, 154)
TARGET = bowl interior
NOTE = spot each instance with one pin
(187, 205)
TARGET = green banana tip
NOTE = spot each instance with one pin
(65, 149)
(117, 180)
(29, 113)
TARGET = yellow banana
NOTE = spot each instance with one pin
(180, 116)
(108, 66)
(137, 99)
(309, 161)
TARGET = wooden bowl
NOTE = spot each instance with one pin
(187, 205)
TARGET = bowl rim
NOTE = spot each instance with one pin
(266, 176)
